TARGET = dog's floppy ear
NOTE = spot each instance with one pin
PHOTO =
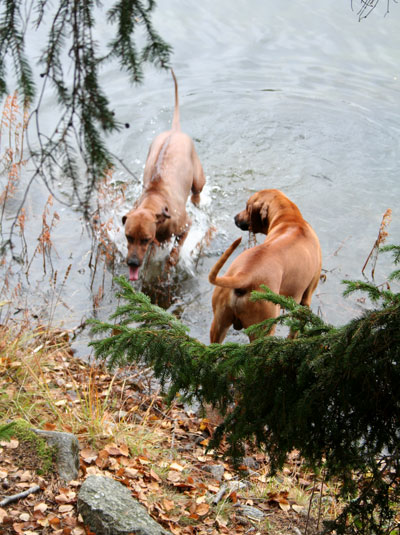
(160, 218)
(264, 212)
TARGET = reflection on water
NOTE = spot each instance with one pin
(292, 95)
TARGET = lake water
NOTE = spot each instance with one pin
(296, 95)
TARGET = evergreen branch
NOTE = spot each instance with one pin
(12, 42)
(395, 249)
(374, 293)
(333, 395)
(395, 275)
(86, 115)
(300, 318)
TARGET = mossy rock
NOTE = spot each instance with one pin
(33, 452)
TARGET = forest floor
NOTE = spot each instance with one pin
(127, 432)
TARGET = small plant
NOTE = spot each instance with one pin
(43, 454)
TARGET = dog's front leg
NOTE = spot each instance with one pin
(179, 241)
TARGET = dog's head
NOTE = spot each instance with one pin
(255, 216)
(140, 231)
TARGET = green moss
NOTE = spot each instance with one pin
(32, 446)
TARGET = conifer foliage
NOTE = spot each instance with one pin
(331, 393)
(71, 62)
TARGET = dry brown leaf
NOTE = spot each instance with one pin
(18, 527)
(176, 466)
(88, 455)
(49, 427)
(168, 504)
(173, 476)
(26, 476)
(65, 508)
(131, 472)
(3, 515)
(113, 450)
(154, 475)
(44, 522)
(298, 508)
(42, 507)
(102, 459)
(65, 497)
(12, 444)
(233, 497)
(202, 509)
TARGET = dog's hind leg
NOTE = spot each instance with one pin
(223, 315)
(198, 179)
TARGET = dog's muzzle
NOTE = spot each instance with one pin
(243, 225)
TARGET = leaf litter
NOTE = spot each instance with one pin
(158, 452)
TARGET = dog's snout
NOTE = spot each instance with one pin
(243, 225)
(133, 261)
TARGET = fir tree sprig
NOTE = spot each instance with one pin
(331, 393)
(71, 64)
(299, 318)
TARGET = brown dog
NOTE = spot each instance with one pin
(172, 169)
(288, 262)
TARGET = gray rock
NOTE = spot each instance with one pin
(252, 512)
(67, 447)
(216, 470)
(108, 508)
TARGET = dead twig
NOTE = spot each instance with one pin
(19, 496)
(218, 497)
(382, 235)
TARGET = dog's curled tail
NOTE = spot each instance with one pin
(226, 282)
(176, 125)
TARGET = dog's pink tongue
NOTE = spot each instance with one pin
(133, 274)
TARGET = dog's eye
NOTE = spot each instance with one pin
(144, 241)
(129, 239)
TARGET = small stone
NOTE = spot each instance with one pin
(67, 447)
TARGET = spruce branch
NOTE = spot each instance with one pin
(70, 64)
(331, 393)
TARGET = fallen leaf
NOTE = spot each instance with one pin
(154, 475)
(3, 515)
(168, 504)
(88, 455)
(18, 528)
(65, 508)
(202, 509)
(49, 426)
(42, 507)
(284, 506)
(173, 476)
(12, 444)
(298, 508)
(113, 450)
(176, 466)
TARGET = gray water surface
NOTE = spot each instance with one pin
(296, 95)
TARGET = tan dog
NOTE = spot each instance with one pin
(172, 170)
(288, 262)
